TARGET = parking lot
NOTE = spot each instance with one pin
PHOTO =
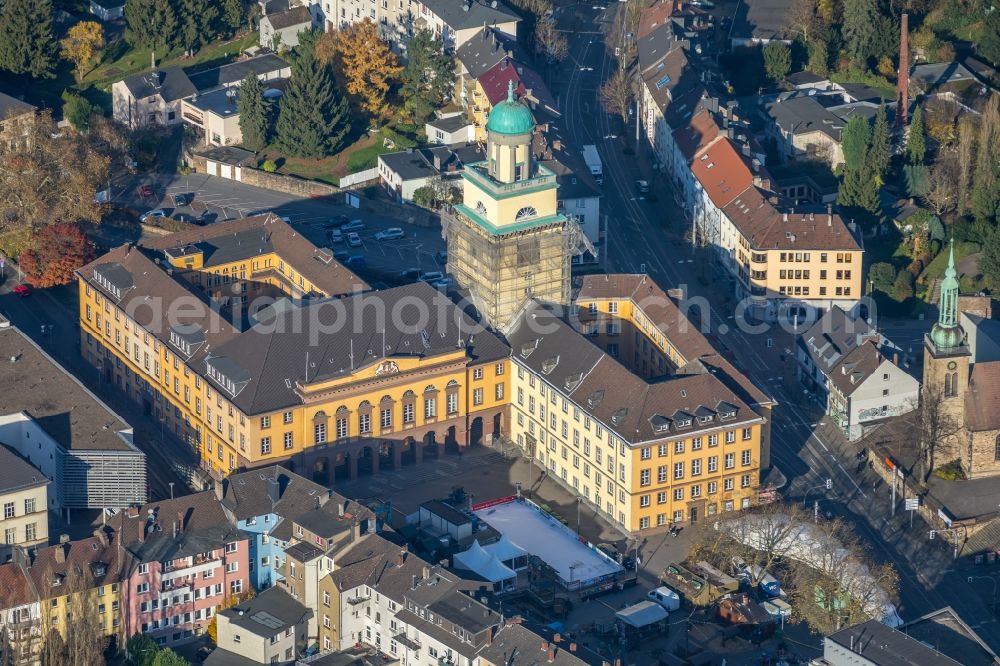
(219, 199)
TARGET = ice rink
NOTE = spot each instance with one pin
(544, 536)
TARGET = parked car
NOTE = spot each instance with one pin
(353, 239)
(356, 261)
(22, 290)
(185, 217)
(704, 4)
(666, 597)
(286, 219)
(611, 550)
(156, 212)
(642, 186)
(336, 236)
(430, 276)
(410, 273)
(341, 255)
(183, 199)
(441, 257)
(339, 220)
(145, 190)
(353, 225)
(392, 233)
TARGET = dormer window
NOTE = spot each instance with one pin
(683, 423)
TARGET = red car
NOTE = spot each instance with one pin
(145, 191)
(22, 290)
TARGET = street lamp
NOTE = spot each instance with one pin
(992, 580)
(579, 501)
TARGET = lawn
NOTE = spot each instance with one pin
(935, 269)
(118, 62)
(364, 151)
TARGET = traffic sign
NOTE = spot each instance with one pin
(912, 503)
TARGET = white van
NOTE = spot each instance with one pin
(666, 597)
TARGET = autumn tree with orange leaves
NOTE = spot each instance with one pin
(369, 68)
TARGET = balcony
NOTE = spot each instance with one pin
(478, 174)
(407, 642)
(354, 601)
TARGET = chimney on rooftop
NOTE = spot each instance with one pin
(552, 654)
(180, 522)
(60, 553)
(545, 646)
(903, 75)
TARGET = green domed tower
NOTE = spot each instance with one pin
(508, 241)
(947, 334)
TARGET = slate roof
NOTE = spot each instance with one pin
(665, 67)
(804, 114)
(485, 49)
(98, 559)
(16, 473)
(419, 162)
(884, 646)
(273, 352)
(206, 527)
(244, 238)
(268, 614)
(451, 123)
(858, 365)
(768, 227)
(634, 408)
(59, 403)
(235, 72)
(663, 311)
(11, 106)
(518, 645)
(282, 18)
(460, 15)
(833, 337)
(270, 490)
(981, 411)
(949, 634)
(563, 158)
(171, 83)
(762, 20)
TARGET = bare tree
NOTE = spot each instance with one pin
(942, 187)
(617, 94)
(755, 543)
(549, 41)
(622, 39)
(801, 19)
(932, 428)
(964, 155)
(73, 627)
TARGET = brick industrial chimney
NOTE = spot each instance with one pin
(903, 77)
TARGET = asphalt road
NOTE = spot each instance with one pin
(647, 235)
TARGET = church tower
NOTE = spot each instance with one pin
(946, 356)
(507, 241)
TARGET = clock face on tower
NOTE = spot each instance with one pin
(952, 365)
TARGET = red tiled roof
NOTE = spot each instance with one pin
(698, 134)
(981, 411)
(653, 17)
(722, 172)
(527, 83)
(15, 588)
(767, 227)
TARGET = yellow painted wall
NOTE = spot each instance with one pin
(194, 411)
(783, 271)
(103, 602)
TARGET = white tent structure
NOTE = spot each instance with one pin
(809, 545)
(484, 564)
(509, 553)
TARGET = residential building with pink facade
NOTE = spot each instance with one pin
(188, 557)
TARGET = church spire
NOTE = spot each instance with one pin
(947, 334)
